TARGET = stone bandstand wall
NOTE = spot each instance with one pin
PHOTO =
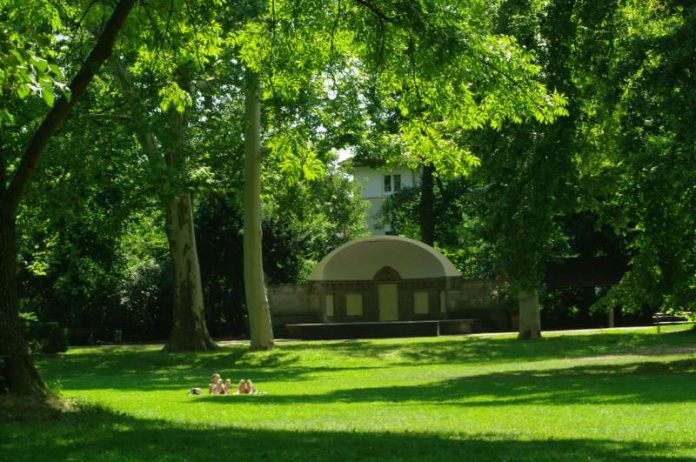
(385, 278)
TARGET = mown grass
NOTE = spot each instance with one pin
(605, 396)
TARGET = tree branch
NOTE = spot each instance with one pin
(159, 37)
(3, 173)
(376, 11)
(84, 15)
(104, 116)
(189, 10)
(145, 137)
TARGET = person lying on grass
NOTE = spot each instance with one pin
(246, 387)
(218, 387)
(214, 386)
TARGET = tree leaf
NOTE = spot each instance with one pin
(47, 92)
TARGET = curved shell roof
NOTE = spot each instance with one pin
(359, 260)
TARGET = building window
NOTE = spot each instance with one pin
(392, 183)
(329, 305)
(420, 303)
(354, 305)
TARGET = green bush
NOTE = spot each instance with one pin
(3, 385)
(52, 337)
(44, 337)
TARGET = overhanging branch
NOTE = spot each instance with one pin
(57, 115)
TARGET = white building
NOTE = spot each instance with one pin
(377, 185)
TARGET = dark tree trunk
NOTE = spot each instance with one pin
(427, 205)
(18, 370)
(20, 375)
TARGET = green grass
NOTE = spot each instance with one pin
(615, 396)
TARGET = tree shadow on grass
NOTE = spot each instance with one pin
(157, 371)
(148, 369)
(95, 434)
(634, 383)
(139, 369)
(108, 360)
(465, 349)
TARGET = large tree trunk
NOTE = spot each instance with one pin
(260, 328)
(530, 320)
(19, 372)
(189, 330)
(17, 367)
(427, 205)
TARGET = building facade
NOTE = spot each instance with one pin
(382, 279)
(378, 184)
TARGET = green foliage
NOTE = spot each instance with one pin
(173, 97)
(441, 68)
(44, 337)
(458, 233)
(29, 32)
(303, 222)
(534, 175)
(53, 338)
(536, 115)
(655, 157)
(621, 161)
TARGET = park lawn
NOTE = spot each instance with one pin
(611, 395)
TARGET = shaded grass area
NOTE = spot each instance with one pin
(291, 361)
(607, 396)
(96, 434)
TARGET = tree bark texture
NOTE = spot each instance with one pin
(260, 328)
(16, 365)
(427, 206)
(19, 373)
(530, 318)
(189, 328)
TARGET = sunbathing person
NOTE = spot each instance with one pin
(216, 386)
(246, 387)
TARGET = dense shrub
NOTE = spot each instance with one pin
(144, 311)
(44, 337)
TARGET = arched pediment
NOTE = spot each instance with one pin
(387, 273)
(362, 259)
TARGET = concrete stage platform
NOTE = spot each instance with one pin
(382, 329)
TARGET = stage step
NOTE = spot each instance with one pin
(383, 329)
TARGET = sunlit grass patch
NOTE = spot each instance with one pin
(606, 396)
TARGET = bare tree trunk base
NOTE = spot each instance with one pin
(18, 375)
(529, 335)
(22, 378)
(530, 319)
(189, 330)
(257, 346)
(206, 344)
